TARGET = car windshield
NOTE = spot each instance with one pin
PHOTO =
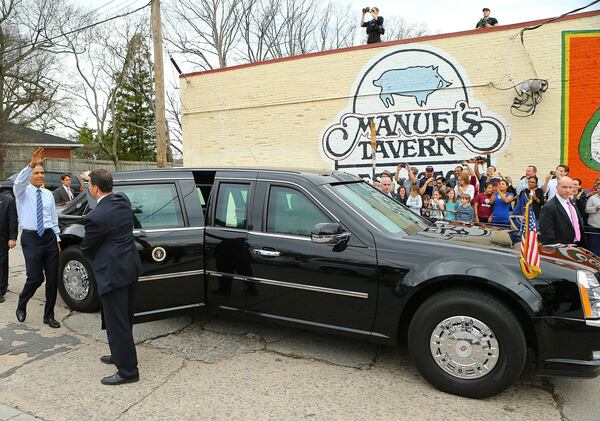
(378, 209)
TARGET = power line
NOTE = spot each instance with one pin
(83, 28)
(531, 28)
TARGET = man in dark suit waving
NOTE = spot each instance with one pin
(109, 243)
(8, 237)
(560, 222)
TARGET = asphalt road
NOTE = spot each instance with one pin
(205, 367)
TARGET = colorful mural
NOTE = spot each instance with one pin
(580, 147)
(424, 111)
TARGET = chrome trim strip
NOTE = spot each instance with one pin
(229, 308)
(164, 310)
(170, 275)
(307, 322)
(593, 323)
(150, 230)
(290, 236)
(229, 229)
(157, 179)
(290, 284)
(310, 287)
(351, 208)
(235, 178)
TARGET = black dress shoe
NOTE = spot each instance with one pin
(2, 299)
(107, 359)
(21, 315)
(116, 379)
(52, 322)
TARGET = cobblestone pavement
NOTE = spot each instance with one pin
(223, 368)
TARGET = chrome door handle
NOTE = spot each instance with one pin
(266, 253)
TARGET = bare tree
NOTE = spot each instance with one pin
(396, 27)
(258, 29)
(337, 28)
(29, 69)
(206, 31)
(101, 58)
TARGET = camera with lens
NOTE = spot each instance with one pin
(402, 165)
(366, 9)
(479, 158)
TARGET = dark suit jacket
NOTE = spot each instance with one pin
(60, 195)
(8, 220)
(556, 226)
(110, 244)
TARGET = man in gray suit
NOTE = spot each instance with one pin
(64, 193)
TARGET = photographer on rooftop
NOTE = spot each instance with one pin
(486, 21)
(374, 27)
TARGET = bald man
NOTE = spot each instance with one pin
(560, 222)
(387, 186)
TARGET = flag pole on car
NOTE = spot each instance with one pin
(373, 146)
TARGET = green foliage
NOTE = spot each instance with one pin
(133, 119)
(133, 123)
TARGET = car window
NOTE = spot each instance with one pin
(232, 205)
(52, 178)
(154, 205)
(291, 212)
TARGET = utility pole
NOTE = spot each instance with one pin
(159, 87)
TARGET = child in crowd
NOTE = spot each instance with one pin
(402, 195)
(483, 205)
(414, 201)
(437, 205)
(450, 206)
(426, 209)
(465, 212)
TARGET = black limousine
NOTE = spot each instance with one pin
(326, 251)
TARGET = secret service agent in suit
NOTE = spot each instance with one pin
(64, 193)
(40, 236)
(387, 186)
(560, 222)
(8, 238)
(109, 243)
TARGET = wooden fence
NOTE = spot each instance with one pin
(76, 166)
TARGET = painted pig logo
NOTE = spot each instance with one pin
(417, 81)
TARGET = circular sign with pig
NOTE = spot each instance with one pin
(424, 112)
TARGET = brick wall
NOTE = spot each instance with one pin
(279, 113)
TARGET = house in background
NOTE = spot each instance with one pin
(17, 143)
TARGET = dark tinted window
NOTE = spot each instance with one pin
(291, 212)
(232, 205)
(154, 205)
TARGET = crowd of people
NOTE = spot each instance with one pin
(470, 196)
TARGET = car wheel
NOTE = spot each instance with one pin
(467, 343)
(76, 282)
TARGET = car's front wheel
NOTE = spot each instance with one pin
(467, 343)
(76, 282)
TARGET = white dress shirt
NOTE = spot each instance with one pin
(26, 198)
(565, 205)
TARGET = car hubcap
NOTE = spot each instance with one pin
(464, 347)
(76, 280)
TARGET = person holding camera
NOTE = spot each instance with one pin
(486, 21)
(552, 179)
(374, 26)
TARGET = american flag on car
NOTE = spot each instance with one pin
(530, 251)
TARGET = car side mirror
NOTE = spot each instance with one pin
(329, 233)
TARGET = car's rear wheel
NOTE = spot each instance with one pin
(76, 282)
(467, 343)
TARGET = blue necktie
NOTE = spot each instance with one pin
(40, 213)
